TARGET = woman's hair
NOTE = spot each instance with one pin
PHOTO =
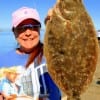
(37, 52)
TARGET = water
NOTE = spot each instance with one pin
(8, 41)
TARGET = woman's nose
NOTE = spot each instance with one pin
(28, 33)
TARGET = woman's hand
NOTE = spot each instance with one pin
(48, 16)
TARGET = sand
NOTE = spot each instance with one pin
(93, 91)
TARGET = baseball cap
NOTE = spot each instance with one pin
(24, 13)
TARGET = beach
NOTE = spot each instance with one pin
(93, 91)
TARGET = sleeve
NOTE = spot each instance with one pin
(53, 90)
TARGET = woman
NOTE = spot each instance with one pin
(36, 80)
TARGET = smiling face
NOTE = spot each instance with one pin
(27, 34)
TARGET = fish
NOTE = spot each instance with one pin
(71, 47)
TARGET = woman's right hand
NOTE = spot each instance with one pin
(48, 16)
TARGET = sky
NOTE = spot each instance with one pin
(8, 6)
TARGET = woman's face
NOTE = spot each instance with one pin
(27, 34)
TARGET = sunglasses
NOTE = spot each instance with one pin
(23, 28)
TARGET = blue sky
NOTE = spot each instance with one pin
(8, 6)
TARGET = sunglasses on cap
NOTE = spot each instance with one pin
(23, 28)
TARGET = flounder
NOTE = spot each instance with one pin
(71, 47)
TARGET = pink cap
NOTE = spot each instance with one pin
(24, 13)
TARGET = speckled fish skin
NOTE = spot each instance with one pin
(71, 47)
